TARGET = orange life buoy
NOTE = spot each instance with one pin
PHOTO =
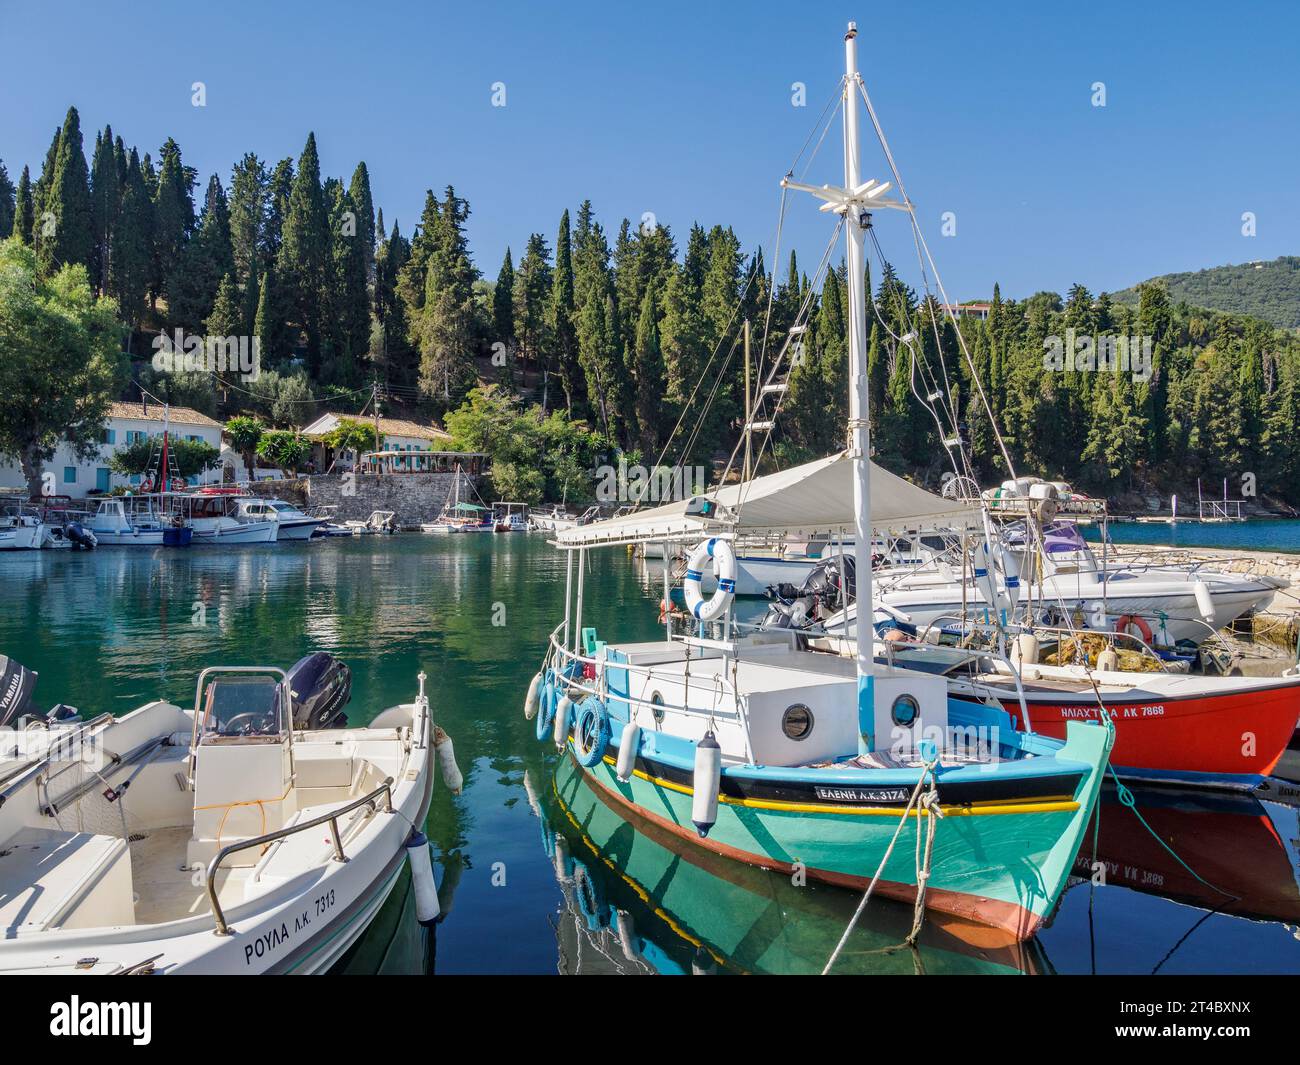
(1130, 620)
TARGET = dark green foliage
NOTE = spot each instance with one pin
(1266, 290)
(66, 223)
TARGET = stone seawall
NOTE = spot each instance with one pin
(412, 497)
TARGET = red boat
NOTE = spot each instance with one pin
(1210, 731)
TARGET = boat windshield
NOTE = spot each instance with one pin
(242, 706)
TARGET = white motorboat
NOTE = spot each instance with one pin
(380, 521)
(137, 521)
(213, 514)
(510, 517)
(291, 523)
(20, 531)
(1165, 605)
(238, 836)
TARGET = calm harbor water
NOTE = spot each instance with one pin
(535, 873)
(1259, 534)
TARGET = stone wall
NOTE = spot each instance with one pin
(413, 497)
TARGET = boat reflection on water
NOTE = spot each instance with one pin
(1245, 852)
(395, 943)
(639, 900)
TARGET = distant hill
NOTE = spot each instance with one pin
(1267, 290)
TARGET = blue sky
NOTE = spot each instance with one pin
(684, 110)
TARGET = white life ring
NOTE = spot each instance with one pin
(724, 568)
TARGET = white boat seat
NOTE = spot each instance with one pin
(54, 879)
(322, 766)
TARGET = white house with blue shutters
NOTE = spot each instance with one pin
(78, 477)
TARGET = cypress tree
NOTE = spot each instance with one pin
(249, 183)
(7, 205)
(446, 323)
(347, 303)
(532, 296)
(503, 317)
(23, 211)
(173, 219)
(304, 251)
(649, 375)
(130, 264)
(67, 204)
(564, 335)
(279, 186)
(42, 225)
(205, 261)
(364, 206)
(106, 202)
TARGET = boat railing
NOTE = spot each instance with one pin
(598, 685)
(1063, 632)
(332, 819)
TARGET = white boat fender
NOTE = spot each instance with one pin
(591, 732)
(1107, 660)
(422, 882)
(706, 783)
(546, 710)
(451, 774)
(724, 567)
(1010, 573)
(1025, 649)
(629, 745)
(534, 697)
(562, 720)
(1204, 601)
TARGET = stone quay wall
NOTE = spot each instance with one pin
(412, 497)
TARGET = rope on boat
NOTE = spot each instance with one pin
(930, 803)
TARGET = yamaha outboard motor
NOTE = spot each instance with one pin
(17, 683)
(321, 685)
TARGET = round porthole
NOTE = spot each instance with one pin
(657, 702)
(905, 711)
(797, 722)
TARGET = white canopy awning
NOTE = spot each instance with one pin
(806, 500)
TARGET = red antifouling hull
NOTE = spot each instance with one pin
(1230, 733)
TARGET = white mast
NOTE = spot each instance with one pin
(854, 203)
(859, 400)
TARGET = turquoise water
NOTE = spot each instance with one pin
(1255, 535)
(535, 874)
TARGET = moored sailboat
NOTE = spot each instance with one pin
(766, 752)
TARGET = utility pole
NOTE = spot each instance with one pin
(374, 402)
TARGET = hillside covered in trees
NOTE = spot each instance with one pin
(1267, 290)
(590, 342)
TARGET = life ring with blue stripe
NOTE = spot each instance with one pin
(546, 705)
(591, 731)
(719, 553)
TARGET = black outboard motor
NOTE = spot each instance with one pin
(80, 535)
(831, 583)
(321, 685)
(17, 683)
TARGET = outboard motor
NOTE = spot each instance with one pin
(321, 685)
(831, 584)
(80, 535)
(17, 683)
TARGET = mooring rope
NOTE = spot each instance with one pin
(932, 806)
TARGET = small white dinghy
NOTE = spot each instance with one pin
(224, 839)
